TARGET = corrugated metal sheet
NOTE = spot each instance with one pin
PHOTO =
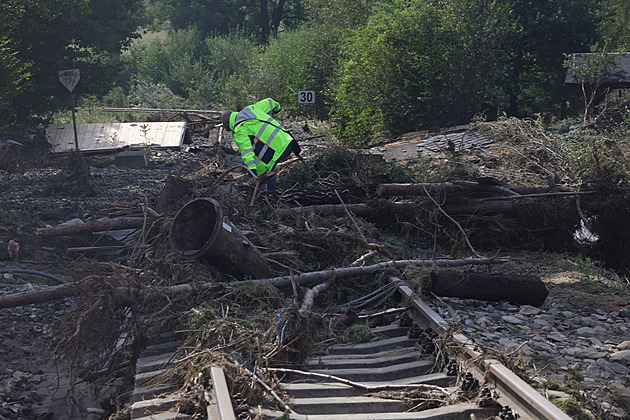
(112, 136)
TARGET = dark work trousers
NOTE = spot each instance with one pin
(272, 183)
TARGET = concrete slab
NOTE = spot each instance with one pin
(386, 373)
(439, 379)
(385, 353)
(145, 378)
(370, 362)
(452, 412)
(372, 347)
(354, 405)
(153, 406)
(390, 330)
(149, 392)
(152, 350)
(320, 390)
(152, 363)
(323, 389)
(132, 159)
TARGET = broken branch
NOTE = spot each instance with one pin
(99, 226)
(344, 272)
(311, 295)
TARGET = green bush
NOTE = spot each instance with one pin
(298, 60)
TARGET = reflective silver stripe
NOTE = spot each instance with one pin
(270, 105)
(267, 144)
(252, 163)
(244, 115)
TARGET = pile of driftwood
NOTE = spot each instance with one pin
(460, 204)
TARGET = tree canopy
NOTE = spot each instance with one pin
(378, 67)
(39, 38)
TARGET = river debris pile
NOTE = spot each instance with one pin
(343, 222)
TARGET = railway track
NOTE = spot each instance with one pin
(458, 382)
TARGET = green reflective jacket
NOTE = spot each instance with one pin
(260, 138)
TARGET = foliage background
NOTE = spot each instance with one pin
(379, 67)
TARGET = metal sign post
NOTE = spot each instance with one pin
(70, 78)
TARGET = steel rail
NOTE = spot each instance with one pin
(513, 391)
(222, 398)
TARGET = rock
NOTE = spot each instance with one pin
(586, 331)
(529, 310)
(556, 394)
(618, 368)
(623, 355)
(511, 319)
(556, 336)
(624, 345)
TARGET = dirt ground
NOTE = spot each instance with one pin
(39, 190)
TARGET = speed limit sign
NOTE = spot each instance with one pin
(306, 97)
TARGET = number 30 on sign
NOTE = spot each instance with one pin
(306, 97)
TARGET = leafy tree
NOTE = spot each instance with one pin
(416, 64)
(176, 62)
(59, 34)
(303, 59)
(590, 71)
(13, 78)
(542, 33)
(615, 24)
(336, 15)
(262, 18)
(231, 59)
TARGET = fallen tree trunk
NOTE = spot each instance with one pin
(37, 296)
(338, 273)
(125, 294)
(102, 226)
(336, 209)
(516, 289)
(459, 188)
(363, 209)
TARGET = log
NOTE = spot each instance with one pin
(37, 296)
(127, 294)
(459, 188)
(338, 273)
(102, 226)
(363, 209)
(313, 196)
(516, 289)
(360, 209)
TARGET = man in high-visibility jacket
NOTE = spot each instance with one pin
(262, 141)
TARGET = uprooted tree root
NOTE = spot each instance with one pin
(608, 216)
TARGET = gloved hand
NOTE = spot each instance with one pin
(252, 181)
